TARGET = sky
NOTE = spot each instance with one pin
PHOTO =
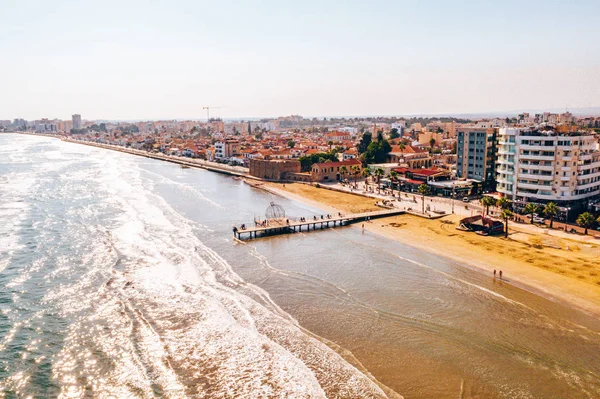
(128, 59)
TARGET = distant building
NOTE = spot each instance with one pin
(227, 148)
(476, 155)
(76, 121)
(543, 166)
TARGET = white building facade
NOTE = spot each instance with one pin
(543, 166)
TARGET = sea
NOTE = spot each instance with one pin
(120, 278)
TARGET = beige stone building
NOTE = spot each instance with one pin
(333, 171)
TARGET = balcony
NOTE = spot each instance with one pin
(537, 157)
(536, 147)
(536, 176)
(502, 151)
(588, 185)
(505, 180)
(534, 186)
(589, 176)
(531, 196)
(505, 162)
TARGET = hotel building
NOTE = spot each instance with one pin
(476, 155)
(543, 165)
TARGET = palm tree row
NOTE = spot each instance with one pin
(586, 220)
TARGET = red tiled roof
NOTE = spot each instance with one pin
(425, 172)
(349, 162)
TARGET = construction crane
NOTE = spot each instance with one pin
(208, 108)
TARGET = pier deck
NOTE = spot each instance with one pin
(296, 226)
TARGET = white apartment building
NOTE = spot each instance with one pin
(542, 166)
(227, 148)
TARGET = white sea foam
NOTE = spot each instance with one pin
(173, 316)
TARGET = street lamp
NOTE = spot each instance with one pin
(453, 196)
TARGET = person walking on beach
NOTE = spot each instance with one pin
(494, 273)
(500, 274)
(363, 228)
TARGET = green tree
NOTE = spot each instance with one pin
(530, 209)
(330, 144)
(585, 220)
(355, 170)
(343, 171)
(551, 211)
(431, 144)
(503, 203)
(394, 134)
(506, 215)
(487, 201)
(377, 151)
(366, 173)
(365, 140)
(423, 189)
(291, 143)
(378, 174)
(307, 161)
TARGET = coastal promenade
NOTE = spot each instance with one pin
(287, 226)
(189, 162)
(186, 162)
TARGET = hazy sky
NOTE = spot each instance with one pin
(167, 59)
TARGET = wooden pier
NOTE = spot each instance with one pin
(289, 226)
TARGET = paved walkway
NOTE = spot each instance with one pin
(412, 201)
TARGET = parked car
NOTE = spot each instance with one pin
(466, 199)
(537, 219)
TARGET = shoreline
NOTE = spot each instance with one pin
(184, 161)
(547, 284)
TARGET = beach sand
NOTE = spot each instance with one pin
(557, 268)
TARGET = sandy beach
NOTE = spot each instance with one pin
(558, 268)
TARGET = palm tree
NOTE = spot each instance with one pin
(487, 202)
(506, 214)
(530, 209)
(366, 172)
(431, 144)
(355, 170)
(379, 172)
(330, 144)
(343, 171)
(393, 176)
(503, 203)
(551, 210)
(585, 220)
(423, 190)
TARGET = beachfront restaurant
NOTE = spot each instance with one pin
(446, 188)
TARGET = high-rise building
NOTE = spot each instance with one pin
(76, 121)
(544, 165)
(476, 155)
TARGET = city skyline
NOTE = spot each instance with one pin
(134, 61)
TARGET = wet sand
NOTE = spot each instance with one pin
(559, 269)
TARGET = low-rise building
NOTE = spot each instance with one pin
(273, 169)
(332, 171)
